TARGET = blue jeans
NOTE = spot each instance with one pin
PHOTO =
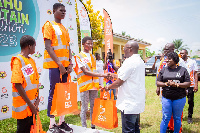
(130, 123)
(54, 77)
(114, 93)
(170, 107)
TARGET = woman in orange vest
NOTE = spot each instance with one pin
(25, 80)
(87, 78)
(57, 57)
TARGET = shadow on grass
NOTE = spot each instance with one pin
(145, 125)
(195, 120)
(187, 130)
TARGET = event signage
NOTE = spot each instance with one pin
(108, 33)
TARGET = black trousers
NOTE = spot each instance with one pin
(24, 125)
(190, 97)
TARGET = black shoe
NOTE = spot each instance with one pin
(55, 129)
(189, 120)
(65, 127)
(93, 127)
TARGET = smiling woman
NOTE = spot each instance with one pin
(173, 79)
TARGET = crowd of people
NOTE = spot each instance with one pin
(176, 78)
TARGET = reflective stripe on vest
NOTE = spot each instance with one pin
(60, 46)
(22, 108)
(29, 86)
(60, 58)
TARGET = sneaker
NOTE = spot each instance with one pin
(55, 129)
(65, 127)
(189, 120)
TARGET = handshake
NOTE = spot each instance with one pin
(108, 76)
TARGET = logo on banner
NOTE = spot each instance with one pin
(70, 17)
(60, 1)
(42, 100)
(38, 55)
(71, 42)
(4, 109)
(70, 27)
(3, 74)
(101, 116)
(39, 70)
(68, 102)
(16, 20)
(27, 70)
(49, 12)
(69, 2)
(41, 86)
(4, 93)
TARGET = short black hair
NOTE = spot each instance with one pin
(57, 5)
(185, 51)
(26, 40)
(174, 56)
(84, 40)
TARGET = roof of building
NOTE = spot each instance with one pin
(120, 36)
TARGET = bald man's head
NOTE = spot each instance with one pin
(130, 48)
(134, 45)
(169, 47)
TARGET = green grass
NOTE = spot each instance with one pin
(150, 118)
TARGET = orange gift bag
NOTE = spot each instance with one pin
(64, 98)
(37, 126)
(105, 111)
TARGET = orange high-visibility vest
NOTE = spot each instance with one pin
(20, 109)
(60, 46)
(86, 82)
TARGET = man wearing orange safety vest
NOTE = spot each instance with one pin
(25, 80)
(87, 78)
(57, 58)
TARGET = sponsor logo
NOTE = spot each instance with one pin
(41, 86)
(4, 109)
(69, 2)
(3, 74)
(49, 12)
(42, 100)
(38, 55)
(4, 93)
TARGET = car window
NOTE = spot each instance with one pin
(152, 60)
(198, 62)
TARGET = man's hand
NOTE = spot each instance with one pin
(109, 76)
(62, 69)
(155, 58)
(195, 88)
(33, 108)
(106, 88)
(158, 91)
(69, 69)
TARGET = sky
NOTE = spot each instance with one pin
(155, 21)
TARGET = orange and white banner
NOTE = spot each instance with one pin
(108, 32)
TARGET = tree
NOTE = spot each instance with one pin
(148, 53)
(123, 33)
(96, 23)
(178, 43)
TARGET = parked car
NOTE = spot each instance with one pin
(149, 64)
(198, 72)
